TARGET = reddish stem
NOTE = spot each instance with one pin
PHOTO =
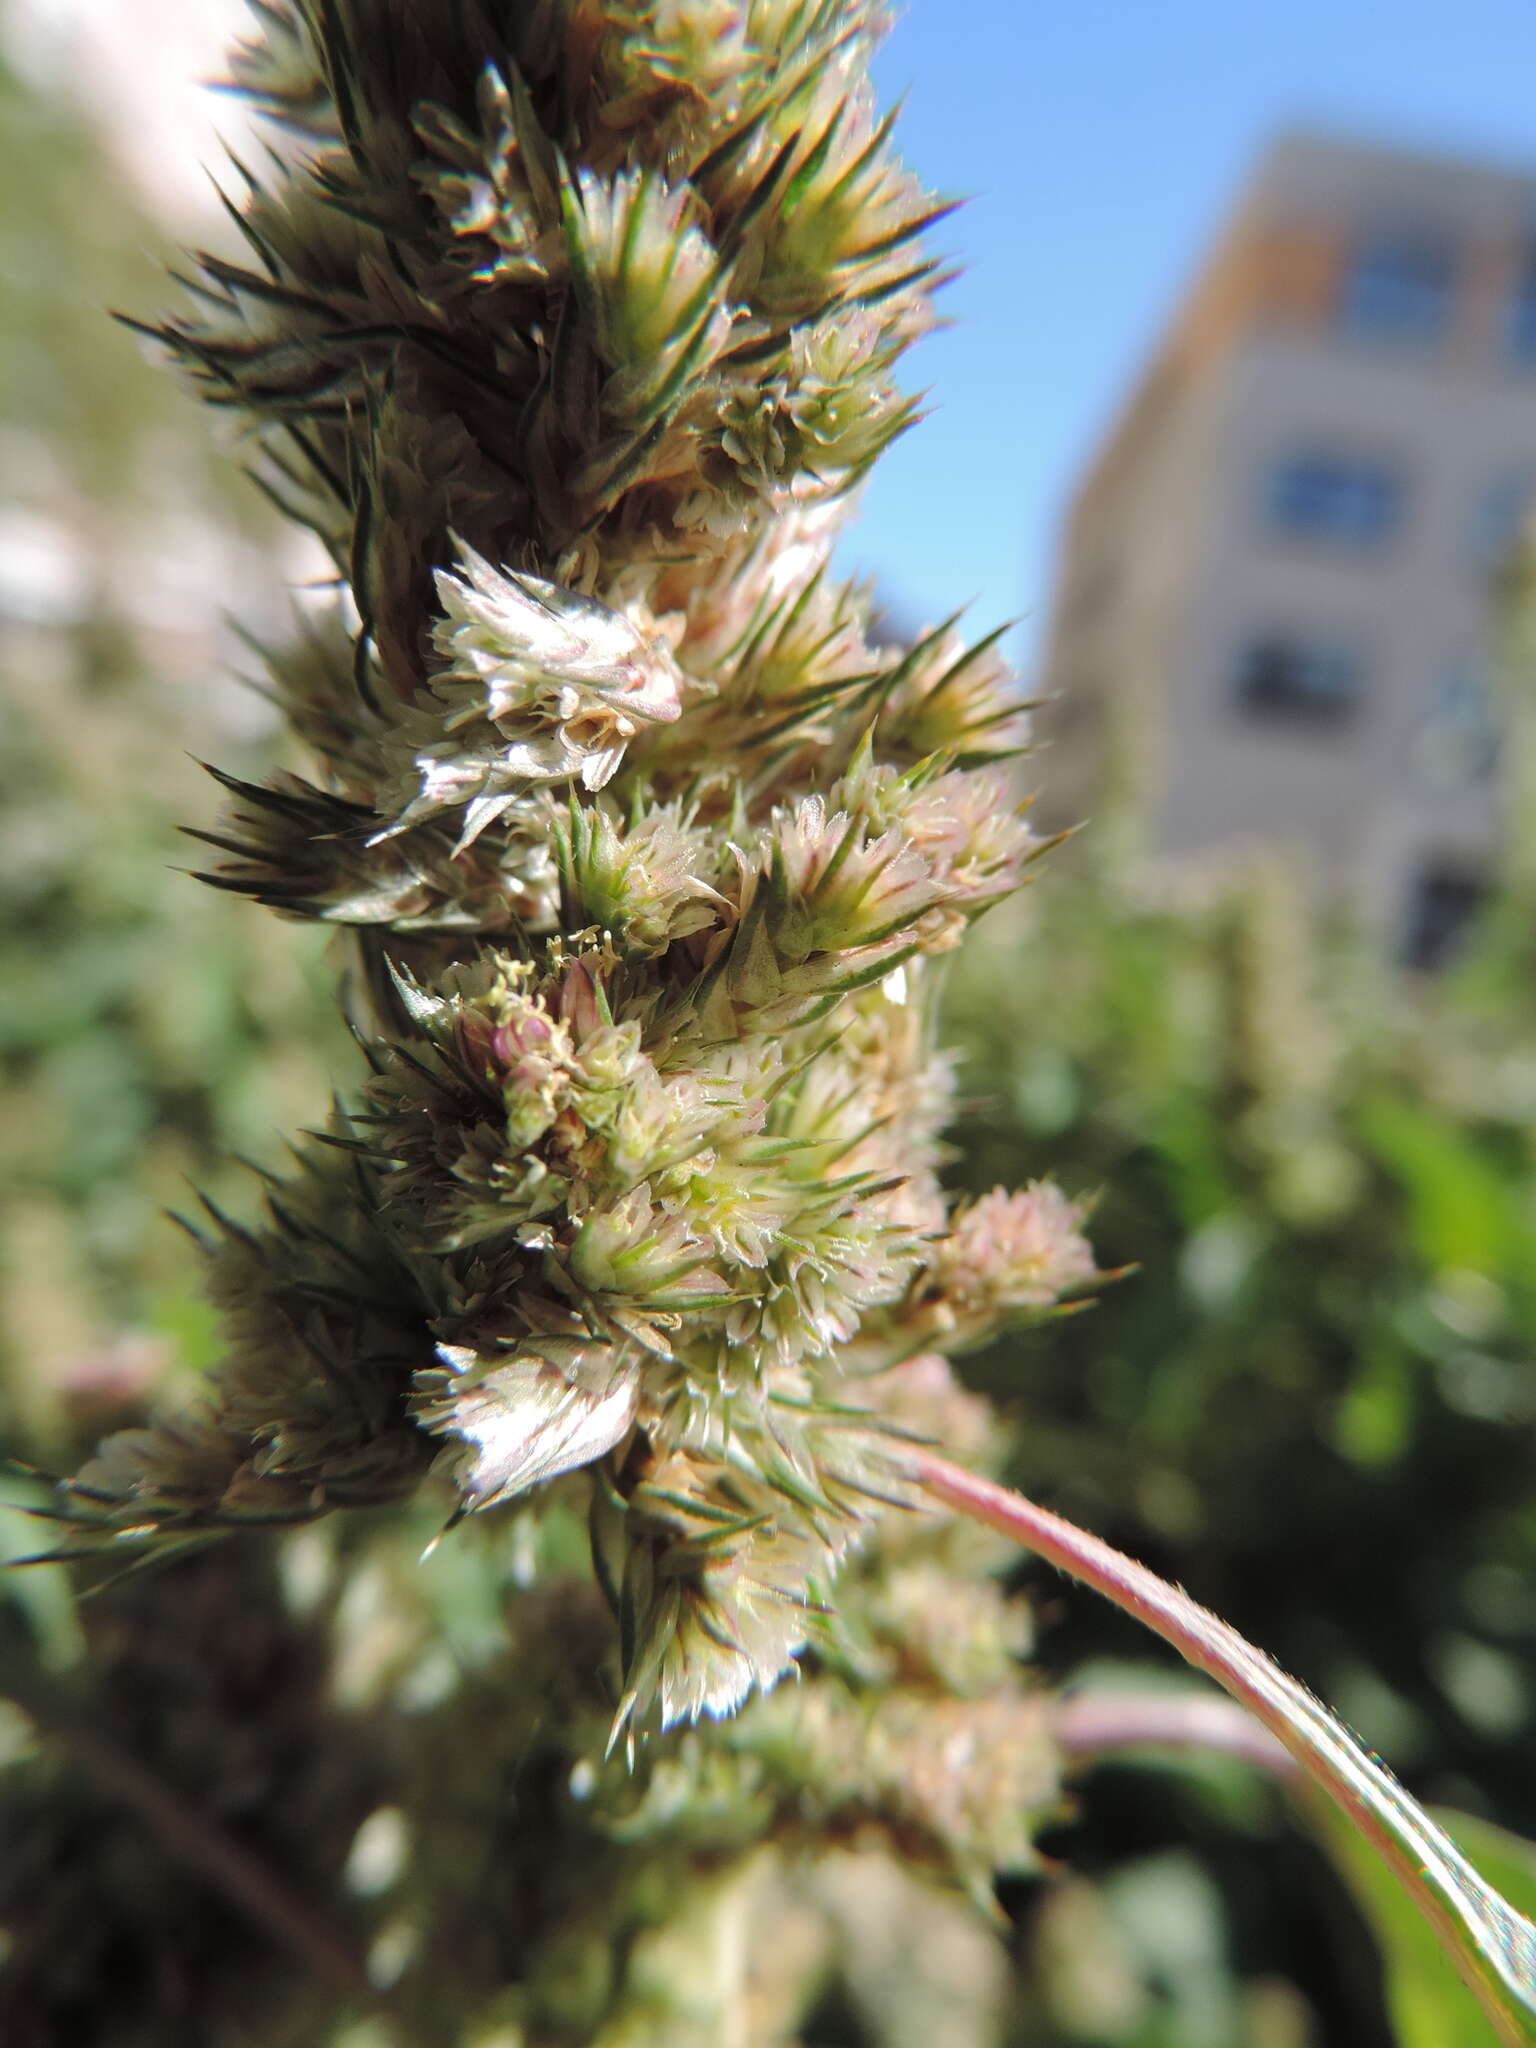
(1492, 1946)
(1091, 1724)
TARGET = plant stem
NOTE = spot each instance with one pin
(1492, 1946)
(1093, 1724)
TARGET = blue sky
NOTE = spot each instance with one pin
(1101, 141)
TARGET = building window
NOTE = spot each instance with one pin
(1335, 499)
(1458, 744)
(1397, 287)
(1445, 898)
(1288, 679)
(1499, 518)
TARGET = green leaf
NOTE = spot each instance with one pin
(1430, 2004)
(1460, 1206)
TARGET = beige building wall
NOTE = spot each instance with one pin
(1176, 563)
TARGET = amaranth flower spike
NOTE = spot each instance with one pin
(570, 329)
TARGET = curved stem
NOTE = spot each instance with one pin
(1095, 1724)
(1492, 1946)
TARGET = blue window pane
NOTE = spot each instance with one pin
(1287, 679)
(1334, 499)
(1397, 288)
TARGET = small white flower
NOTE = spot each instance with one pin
(554, 1405)
(1019, 1249)
(542, 685)
(535, 646)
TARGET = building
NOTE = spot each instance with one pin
(1274, 609)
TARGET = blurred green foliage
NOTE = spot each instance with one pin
(148, 1030)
